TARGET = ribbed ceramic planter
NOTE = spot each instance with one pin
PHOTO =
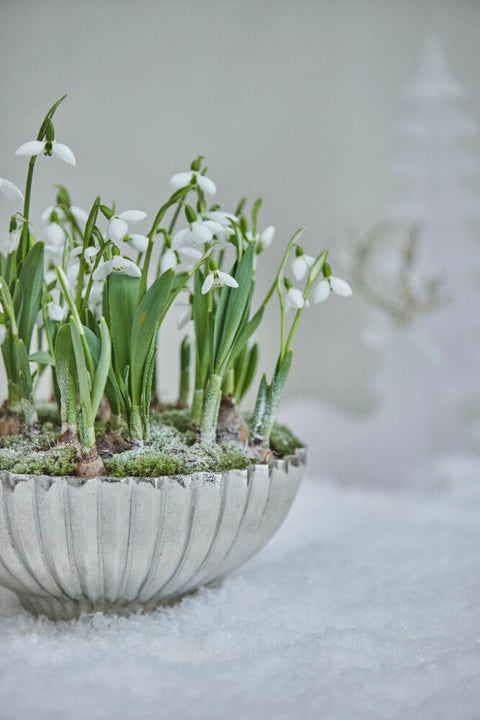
(70, 545)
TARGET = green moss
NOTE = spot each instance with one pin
(141, 463)
(283, 441)
(8, 458)
(57, 461)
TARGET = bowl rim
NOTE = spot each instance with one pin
(297, 459)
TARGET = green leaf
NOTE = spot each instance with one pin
(122, 303)
(31, 279)
(146, 324)
(238, 307)
(280, 378)
(102, 369)
(82, 373)
(42, 357)
(65, 373)
(247, 331)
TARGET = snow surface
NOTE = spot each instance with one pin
(365, 605)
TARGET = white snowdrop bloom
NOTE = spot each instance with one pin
(301, 265)
(89, 254)
(324, 287)
(168, 261)
(223, 219)
(199, 233)
(265, 238)
(3, 333)
(217, 278)
(138, 242)
(294, 299)
(116, 264)
(10, 191)
(11, 241)
(118, 224)
(47, 147)
(54, 234)
(56, 312)
(191, 253)
(182, 179)
(80, 215)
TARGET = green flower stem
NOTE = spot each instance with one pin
(176, 197)
(197, 406)
(279, 276)
(213, 396)
(229, 382)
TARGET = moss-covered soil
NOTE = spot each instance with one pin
(172, 449)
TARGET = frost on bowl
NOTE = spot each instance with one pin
(70, 545)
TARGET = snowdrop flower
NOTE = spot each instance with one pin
(3, 333)
(168, 260)
(223, 219)
(47, 147)
(265, 238)
(116, 264)
(56, 312)
(10, 191)
(294, 299)
(301, 265)
(199, 233)
(118, 224)
(138, 242)
(217, 278)
(11, 241)
(182, 179)
(89, 254)
(324, 287)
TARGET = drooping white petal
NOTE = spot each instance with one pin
(10, 191)
(117, 229)
(56, 312)
(294, 298)
(207, 185)
(341, 287)
(180, 180)
(200, 233)
(227, 279)
(63, 152)
(299, 267)
(103, 270)
(213, 226)
(266, 238)
(3, 333)
(139, 242)
(190, 252)
(208, 283)
(168, 261)
(132, 216)
(33, 147)
(90, 252)
(80, 215)
(120, 263)
(322, 291)
(180, 238)
(54, 235)
(221, 217)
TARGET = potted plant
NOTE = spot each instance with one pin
(111, 500)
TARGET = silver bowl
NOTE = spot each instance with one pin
(70, 545)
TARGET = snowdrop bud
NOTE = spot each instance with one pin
(33, 147)
(190, 214)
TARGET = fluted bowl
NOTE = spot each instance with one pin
(70, 545)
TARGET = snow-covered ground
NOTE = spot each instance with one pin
(365, 605)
